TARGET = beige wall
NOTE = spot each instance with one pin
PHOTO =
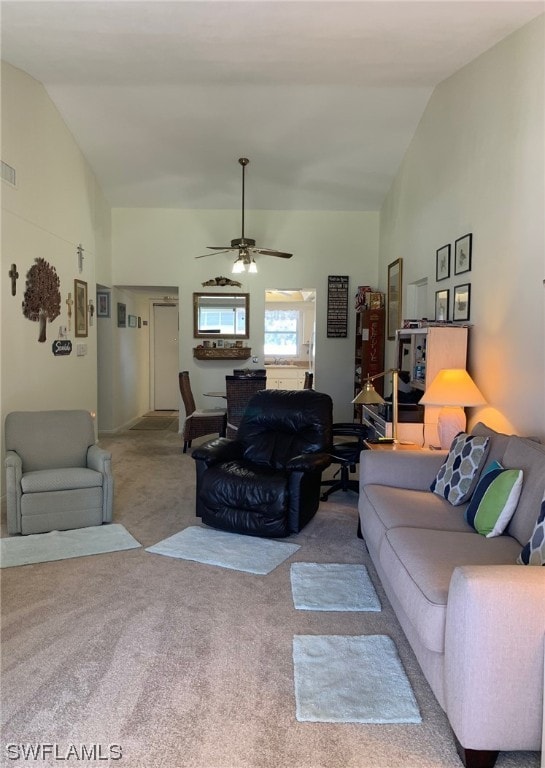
(476, 164)
(56, 205)
(159, 246)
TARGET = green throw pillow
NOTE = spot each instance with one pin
(495, 499)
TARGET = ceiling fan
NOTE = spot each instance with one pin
(244, 245)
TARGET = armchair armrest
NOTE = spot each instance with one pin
(495, 630)
(220, 449)
(101, 461)
(14, 474)
(414, 470)
(309, 462)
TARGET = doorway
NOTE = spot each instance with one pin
(290, 326)
(166, 393)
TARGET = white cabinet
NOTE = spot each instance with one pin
(421, 353)
(285, 377)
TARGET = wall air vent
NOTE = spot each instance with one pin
(8, 174)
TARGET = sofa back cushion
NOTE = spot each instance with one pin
(498, 441)
(525, 454)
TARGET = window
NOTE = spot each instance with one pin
(282, 332)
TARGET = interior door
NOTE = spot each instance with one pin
(166, 393)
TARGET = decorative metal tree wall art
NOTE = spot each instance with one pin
(42, 299)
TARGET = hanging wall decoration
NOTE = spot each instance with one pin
(337, 306)
(222, 281)
(80, 308)
(42, 299)
(14, 275)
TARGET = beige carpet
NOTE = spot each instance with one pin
(187, 665)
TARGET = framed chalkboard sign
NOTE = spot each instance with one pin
(337, 306)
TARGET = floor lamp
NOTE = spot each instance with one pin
(369, 395)
(453, 389)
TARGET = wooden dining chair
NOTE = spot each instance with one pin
(239, 390)
(309, 378)
(198, 423)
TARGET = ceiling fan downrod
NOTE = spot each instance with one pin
(244, 162)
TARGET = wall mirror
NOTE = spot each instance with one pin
(221, 315)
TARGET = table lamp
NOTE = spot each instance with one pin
(452, 389)
(369, 395)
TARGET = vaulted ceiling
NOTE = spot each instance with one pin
(323, 97)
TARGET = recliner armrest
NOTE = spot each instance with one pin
(309, 462)
(14, 474)
(99, 459)
(220, 449)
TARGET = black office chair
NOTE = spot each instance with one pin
(347, 455)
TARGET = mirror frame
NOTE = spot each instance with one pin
(198, 335)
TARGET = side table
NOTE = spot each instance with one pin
(399, 446)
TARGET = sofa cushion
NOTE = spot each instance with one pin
(383, 507)
(523, 453)
(533, 552)
(459, 473)
(498, 441)
(419, 565)
(494, 500)
(47, 480)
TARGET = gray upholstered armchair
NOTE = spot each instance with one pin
(57, 478)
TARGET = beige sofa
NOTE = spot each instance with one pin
(474, 618)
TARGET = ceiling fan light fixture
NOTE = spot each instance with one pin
(252, 267)
(238, 267)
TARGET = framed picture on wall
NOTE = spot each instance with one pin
(80, 308)
(442, 263)
(121, 315)
(393, 300)
(462, 254)
(461, 302)
(103, 304)
(132, 321)
(442, 305)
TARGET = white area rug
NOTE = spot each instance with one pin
(62, 545)
(227, 550)
(351, 679)
(332, 587)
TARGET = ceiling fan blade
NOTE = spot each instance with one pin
(222, 248)
(225, 250)
(267, 252)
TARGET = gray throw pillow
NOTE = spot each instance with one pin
(459, 473)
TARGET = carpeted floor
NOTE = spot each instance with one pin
(186, 665)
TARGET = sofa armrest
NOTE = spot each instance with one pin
(414, 470)
(495, 633)
(14, 473)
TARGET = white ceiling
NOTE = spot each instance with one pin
(323, 97)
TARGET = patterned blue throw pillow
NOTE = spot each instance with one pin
(534, 552)
(459, 473)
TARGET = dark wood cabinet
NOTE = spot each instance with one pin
(369, 350)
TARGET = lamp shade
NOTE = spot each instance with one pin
(451, 387)
(368, 395)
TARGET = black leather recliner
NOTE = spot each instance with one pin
(266, 482)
